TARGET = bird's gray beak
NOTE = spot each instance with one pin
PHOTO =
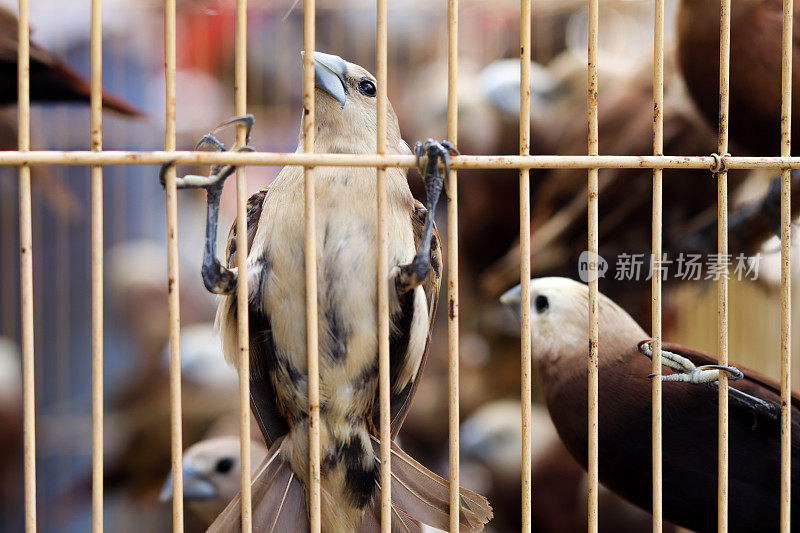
(512, 297)
(329, 75)
(195, 486)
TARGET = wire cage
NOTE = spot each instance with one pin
(113, 170)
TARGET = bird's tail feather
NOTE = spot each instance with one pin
(421, 497)
(418, 497)
(279, 501)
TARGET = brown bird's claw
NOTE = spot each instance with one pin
(434, 171)
(685, 370)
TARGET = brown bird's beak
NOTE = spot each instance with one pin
(329, 75)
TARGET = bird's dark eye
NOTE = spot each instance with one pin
(366, 87)
(224, 465)
(541, 303)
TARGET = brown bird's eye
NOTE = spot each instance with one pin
(366, 87)
(224, 465)
(541, 303)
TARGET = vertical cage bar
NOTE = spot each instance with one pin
(592, 209)
(722, 252)
(26, 268)
(786, 270)
(381, 51)
(452, 265)
(658, 149)
(96, 126)
(172, 271)
(525, 254)
(312, 334)
(242, 299)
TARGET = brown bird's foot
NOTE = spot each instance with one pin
(434, 171)
(686, 371)
(709, 375)
(217, 278)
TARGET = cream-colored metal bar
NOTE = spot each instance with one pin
(525, 253)
(593, 289)
(96, 139)
(452, 269)
(242, 299)
(26, 269)
(508, 162)
(722, 251)
(381, 51)
(658, 149)
(173, 297)
(786, 270)
(312, 340)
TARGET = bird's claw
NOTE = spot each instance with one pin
(214, 181)
(436, 151)
(433, 170)
(685, 370)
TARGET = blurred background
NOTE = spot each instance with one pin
(136, 388)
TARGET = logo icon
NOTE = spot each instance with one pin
(591, 266)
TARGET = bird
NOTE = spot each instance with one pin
(491, 447)
(755, 68)
(559, 322)
(346, 216)
(211, 473)
(51, 80)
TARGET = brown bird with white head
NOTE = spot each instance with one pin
(560, 325)
(346, 215)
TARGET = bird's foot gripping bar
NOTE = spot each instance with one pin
(434, 170)
(217, 277)
(687, 372)
(219, 173)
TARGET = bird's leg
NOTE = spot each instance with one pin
(686, 371)
(217, 278)
(435, 170)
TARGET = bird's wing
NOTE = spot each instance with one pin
(404, 382)
(262, 350)
(751, 383)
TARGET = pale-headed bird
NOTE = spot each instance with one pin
(211, 474)
(346, 229)
(560, 340)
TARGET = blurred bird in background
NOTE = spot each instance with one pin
(346, 214)
(51, 79)
(491, 447)
(754, 125)
(10, 418)
(211, 475)
(559, 317)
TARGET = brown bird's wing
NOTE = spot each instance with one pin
(398, 342)
(262, 350)
(753, 383)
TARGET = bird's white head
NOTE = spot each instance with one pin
(560, 321)
(346, 109)
(211, 474)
